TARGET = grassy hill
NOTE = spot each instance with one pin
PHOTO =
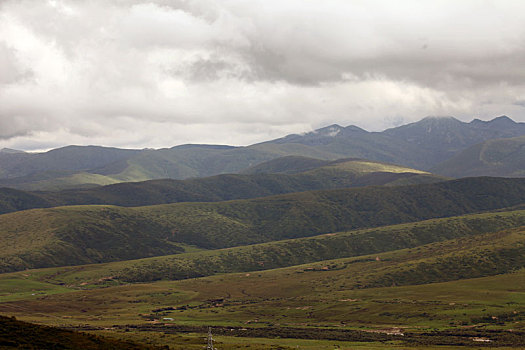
(76, 235)
(454, 260)
(335, 174)
(86, 234)
(299, 251)
(16, 334)
(499, 157)
(286, 165)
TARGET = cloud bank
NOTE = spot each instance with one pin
(161, 73)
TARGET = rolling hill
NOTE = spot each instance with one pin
(326, 175)
(285, 253)
(287, 165)
(85, 234)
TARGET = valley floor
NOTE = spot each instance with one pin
(463, 289)
(281, 309)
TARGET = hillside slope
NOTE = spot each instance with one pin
(337, 174)
(84, 234)
(299, 251)
(16, 334)
(499, 157)
(286, 165)
(443, 137)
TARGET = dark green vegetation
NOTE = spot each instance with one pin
(461, 233)
(420, 145)
(327, 175)
(22, 335)
(340, 245)
(88, 234)
(77, 235)
(499, 157)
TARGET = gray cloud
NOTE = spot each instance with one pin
(160, 73)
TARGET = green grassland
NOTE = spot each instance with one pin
(39, 172)
(281, 253)
(352, 267)
(77, 235)
(305, 250)
(332, 297)
(74, 181)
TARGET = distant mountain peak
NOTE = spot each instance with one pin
(327, 131)
(330, 130)
(440, 119)
(10, 150)
(502, 123)
(434, 117)
(503, 119)
(203, 146)
(354, 128)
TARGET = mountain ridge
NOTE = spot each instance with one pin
(421, 145)
(302, 175)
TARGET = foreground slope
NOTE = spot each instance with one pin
(331, 174)
(399, 297)
(16, 334)
(83, 234)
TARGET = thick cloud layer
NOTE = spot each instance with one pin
(161, 73)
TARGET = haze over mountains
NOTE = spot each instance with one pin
(422, 145)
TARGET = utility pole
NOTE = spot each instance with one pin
(210, 341)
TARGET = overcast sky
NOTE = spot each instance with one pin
(161, 73)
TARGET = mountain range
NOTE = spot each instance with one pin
(430, 144)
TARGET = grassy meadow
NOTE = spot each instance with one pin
(474, 287)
